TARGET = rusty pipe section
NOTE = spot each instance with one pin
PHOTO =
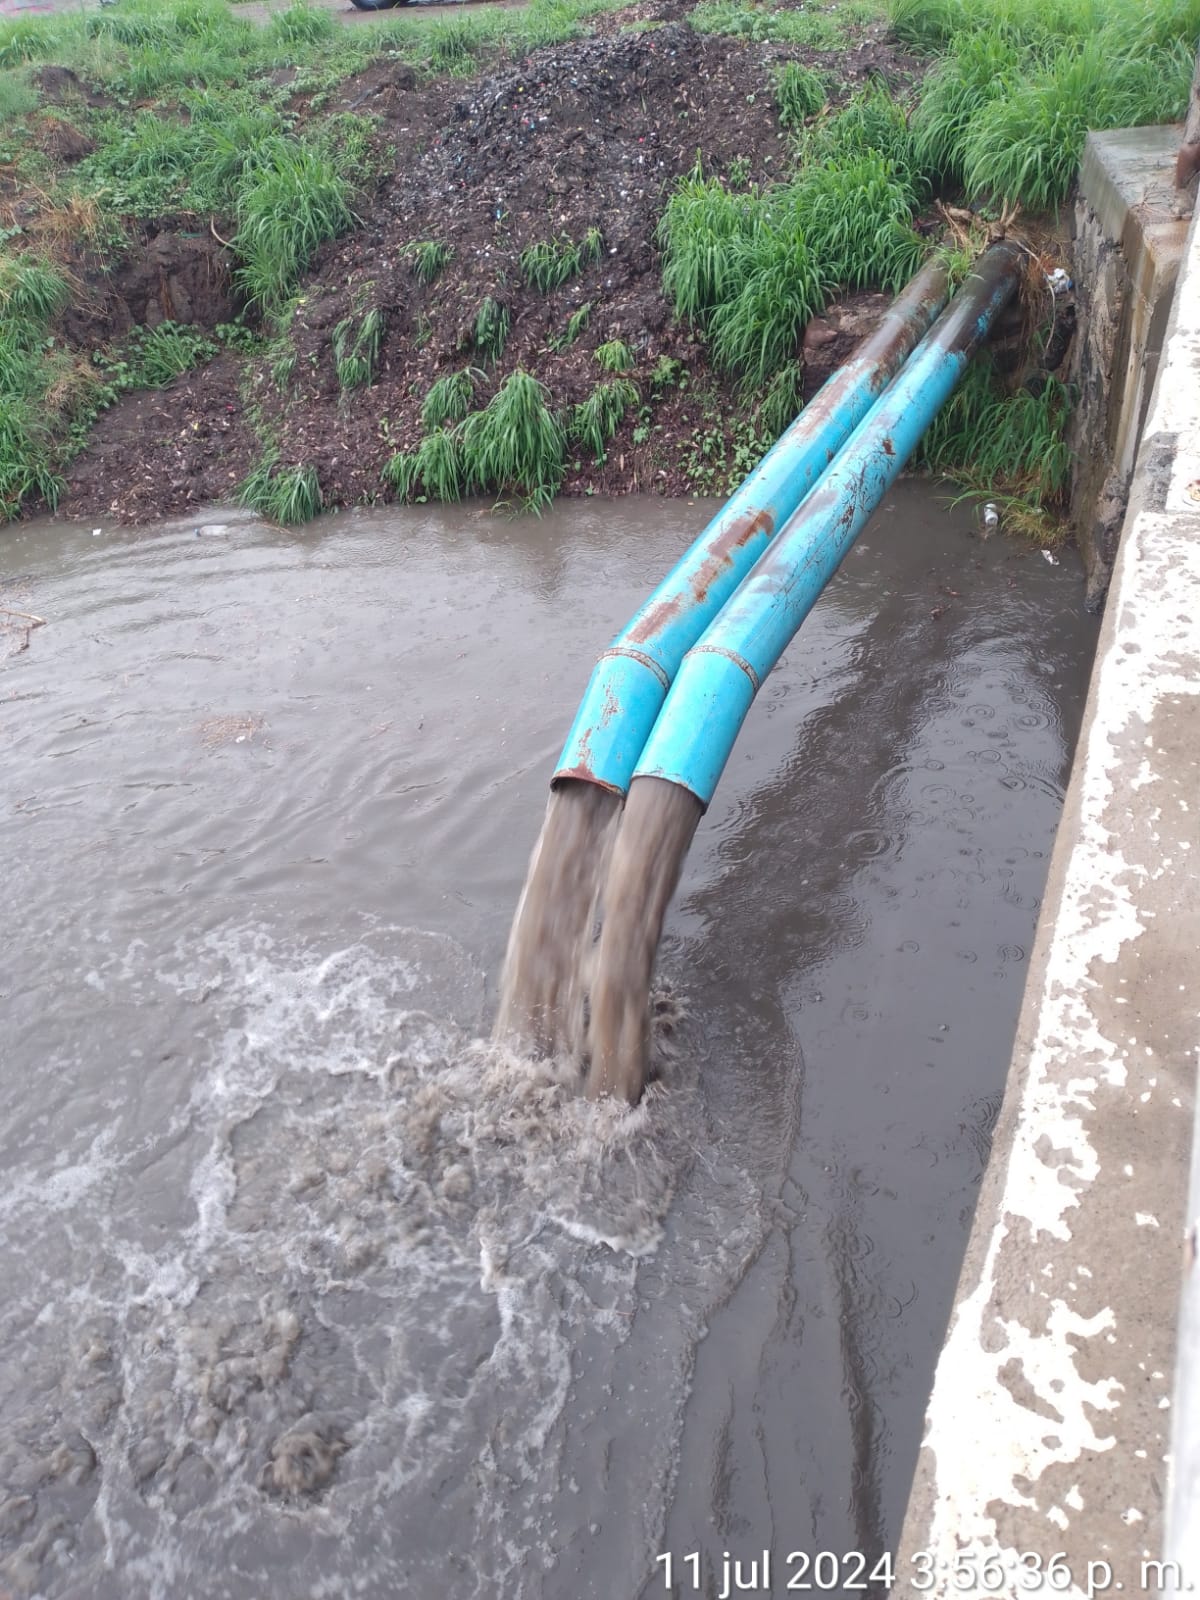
(632, 677)
(713, 691)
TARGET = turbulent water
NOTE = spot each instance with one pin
(310, 1290)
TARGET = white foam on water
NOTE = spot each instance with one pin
(345, 1324)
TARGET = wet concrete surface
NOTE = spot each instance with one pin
(309, 1291)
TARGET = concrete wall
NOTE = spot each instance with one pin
(1048, 1425)
(1130, 228)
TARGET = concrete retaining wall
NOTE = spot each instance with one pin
(1048, 1425)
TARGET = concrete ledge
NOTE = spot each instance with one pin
(1048, 1425)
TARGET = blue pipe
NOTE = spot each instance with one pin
(631, 678)
(714, 689)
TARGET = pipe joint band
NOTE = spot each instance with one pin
(730, 655)
(639, 656)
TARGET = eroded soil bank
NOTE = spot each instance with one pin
(589, 134)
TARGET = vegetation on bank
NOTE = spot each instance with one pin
(187, 110)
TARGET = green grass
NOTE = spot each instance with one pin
(758, 266)
(576, 323)
(1021, 82)
(818, 30)
(782, 400)
(799, 94)
(31, 295)
(428, 257)
(449, 398)
(293, 202)
(286, 495)
(514, 446)
(615, 356)
(17, 95)
(356, 343)
(596, 420)
(489, 333)
(549, 263)
(440, 464)
(1008, 444)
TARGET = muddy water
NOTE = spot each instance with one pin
(308, 1293)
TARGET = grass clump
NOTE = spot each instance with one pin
(286, 495)
(596, 420)
(356, 345)
(428, 257)
(153, 357)
(449, 398)
(799, 94)
(782, 400)
(757, 266)
(17, 95)
(439, 464)
(615, 356)
(549, 263)
(576, 323)
(489, 332)
(290, 204)
(1006, 110)
(301, 24)
(515, 445)
(1007, 443)
(31, 295)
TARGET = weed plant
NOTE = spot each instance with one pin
(549, 263)
(287, 495)
(428, 257)
(576, 323)
(515, 445)
(356, 345)
(289, 205)
(759, 266)
(782, 400)
(1008, 444)
(489, 334)
(815, 29)
(615, 356)
(400, 473)
(31, 295)
(440, 464)
(596, 420)
(449, 398)
(799, 94)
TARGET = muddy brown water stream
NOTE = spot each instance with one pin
(308, 1292)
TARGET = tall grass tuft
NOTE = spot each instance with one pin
(439, 464)
(703, 234)
(782, 400)
(515, 444)
(576, 323)
(799, 94)
(400, 472)
(549, 263)
(1009, 444)
(596, 420)
(449, 398)
(31, 294)
(615, 356)
(356, 348)
(489, 333)
(302, 24)
(287, 495)
(856, 216)
(757, 330)
(1006, 111)
(291, 204)
(428, 257)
